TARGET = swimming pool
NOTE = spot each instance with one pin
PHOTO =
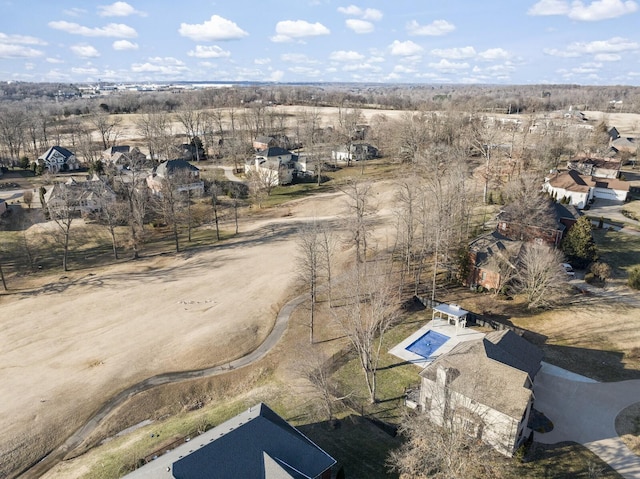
(426, 344)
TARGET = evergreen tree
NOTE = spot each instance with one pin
(578, 245)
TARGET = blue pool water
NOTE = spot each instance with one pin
(427, 343)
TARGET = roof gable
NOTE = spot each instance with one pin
(243, 444)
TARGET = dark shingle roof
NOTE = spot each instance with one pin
(510, 349)
(63, 151)
(273, 151)
(265, 446)
(171, 166)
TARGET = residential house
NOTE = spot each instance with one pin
(355, 152)
(183, 174)
(57, 159)
(123, 156)
(620, 143)
(256, 444)
(278, 140)
(193, 151)
(83, 197)
(276, 165)
(597, 167)
(578, 190)
(264, 142)
(486, 387)
(492, 257)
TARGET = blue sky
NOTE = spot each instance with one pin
(400, 41)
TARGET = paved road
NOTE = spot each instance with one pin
(609, 209)
(585, 412)
(228, 173)
(83, 432)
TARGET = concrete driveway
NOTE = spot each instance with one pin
(609, 209)
(585, 412)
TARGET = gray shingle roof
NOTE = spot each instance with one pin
(492, 371)
(256, 444)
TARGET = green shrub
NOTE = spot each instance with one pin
(634, 277)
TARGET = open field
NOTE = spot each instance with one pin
(68, 342)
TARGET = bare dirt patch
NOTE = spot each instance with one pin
(628, 427)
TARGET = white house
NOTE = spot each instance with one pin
(275, 165)
(578, 190)
(57, 159)
(123, 156)
(83, 197)
(186, 176)
(355, 152)
(484, 386)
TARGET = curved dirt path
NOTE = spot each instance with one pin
(83, 432)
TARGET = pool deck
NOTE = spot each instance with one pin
(439, 326)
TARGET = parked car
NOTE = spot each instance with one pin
(569, 270)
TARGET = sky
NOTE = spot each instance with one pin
(586, 42)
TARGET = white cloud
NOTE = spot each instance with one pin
(306, 71)
(288, 30)
(601, 9)
(345, 56)
(10, 50)
(613, 45)
(405, 49)
(493, 54)
(118, 30)
(118, 9)
(262, 61)
(213, 51)
(555, 52)
(445, 65)
(54, 60)
(361, 67)
(366, 13)
(607, 57)
(586, 12)
(124, 45)
(160, 66)
(21, 39)
(550, 7)
(275, 75)
(435, 28)
(85, 51)
(85, 71)
(214, 29)
(455, 53)
(296, 58)
(74, 12)
(359, 26)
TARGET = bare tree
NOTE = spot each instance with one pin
(370, 310)
(315, 368)
(526, 205)
(261, 183)
(27, 197)
(445, 451)
(108, 127)
(132, 188)
(212, 188)
(62, 210)
(309, 264)
(358, 216)
(109, 211)
(541, 277)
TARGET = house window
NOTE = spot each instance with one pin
(483, 276)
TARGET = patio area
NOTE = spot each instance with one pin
(454, 335)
